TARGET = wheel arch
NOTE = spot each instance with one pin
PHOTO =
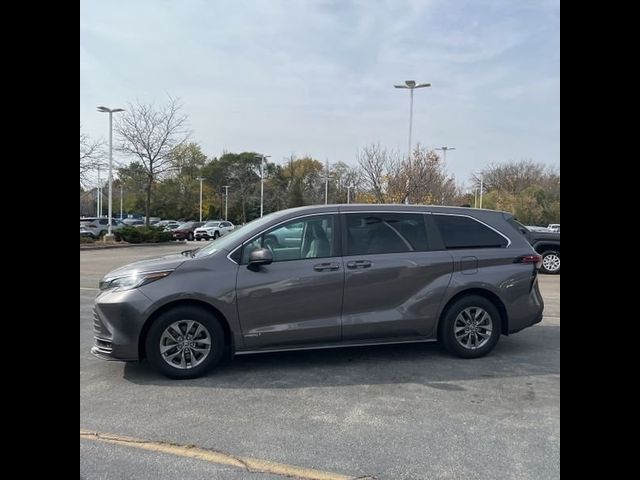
(489, 295)
(228, 338)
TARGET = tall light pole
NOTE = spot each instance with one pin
(411, 85)
(349, 187)
(326, 184)
(110, 111)
(226, 197)
(262, 160)
(481, 184)
(444, 152)
(121, 197)
(201, 179)
(444, 161)
(99, 197)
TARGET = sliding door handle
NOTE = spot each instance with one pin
(359, 264)
(326, 267)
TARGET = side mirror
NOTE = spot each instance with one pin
(260, 256)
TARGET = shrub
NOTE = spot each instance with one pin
(144, 235)
(84, 239)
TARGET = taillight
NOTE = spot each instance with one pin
(91, 225)
(536, 259)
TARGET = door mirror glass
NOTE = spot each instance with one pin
(260, 256)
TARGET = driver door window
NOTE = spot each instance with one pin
(311, 237)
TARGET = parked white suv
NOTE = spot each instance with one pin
(97, 227)
(554, 227)
(213, 230)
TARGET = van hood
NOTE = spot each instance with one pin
(166, 262)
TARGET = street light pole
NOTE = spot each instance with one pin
(226, 197)
(110, 111)
(99, 207)
(262, 160)
(444, 161)
(444, 152)
(326, 184)
(411, 85)
(349, 187)
(121, 196)
(201, 179)
(481, 185)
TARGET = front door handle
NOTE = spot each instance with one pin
(326, 267)
(359, 264)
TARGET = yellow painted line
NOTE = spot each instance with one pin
(88, 288)
(253, 465)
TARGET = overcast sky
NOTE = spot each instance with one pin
(316, 77)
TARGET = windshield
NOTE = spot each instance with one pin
(185, 225)
(211, 224)
(230, 240)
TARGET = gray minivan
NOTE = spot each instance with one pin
(344, 275)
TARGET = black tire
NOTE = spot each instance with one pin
(216, 234)
(190, 236)
(552, 258)
(446, 333)
(198, 239)
(206, 319)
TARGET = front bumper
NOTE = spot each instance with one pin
(118, 318)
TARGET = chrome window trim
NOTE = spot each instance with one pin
(481, 222)
(348, 212)
(333, 212)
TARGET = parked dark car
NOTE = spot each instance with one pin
(354, 275)
(185, 231)
(547, 244)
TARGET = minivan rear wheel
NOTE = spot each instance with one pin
(471, 327)
(184, 342)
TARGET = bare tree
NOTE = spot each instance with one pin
(430, 182)
(513, 177)
(91, 155)
(376, 164)
(150, 135)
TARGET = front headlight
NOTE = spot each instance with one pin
(134, 280)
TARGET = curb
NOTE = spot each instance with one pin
(128, 245)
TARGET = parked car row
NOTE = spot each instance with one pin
(202, 230)
(95, 227)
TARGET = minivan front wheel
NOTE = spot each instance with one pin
(184, 342)
(471, 327)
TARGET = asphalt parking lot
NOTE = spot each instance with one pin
(387, 412)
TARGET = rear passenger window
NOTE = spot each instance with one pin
(369, 233)
(465, 232)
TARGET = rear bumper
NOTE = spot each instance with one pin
(528, 311)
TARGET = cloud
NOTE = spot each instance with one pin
(317, 77)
